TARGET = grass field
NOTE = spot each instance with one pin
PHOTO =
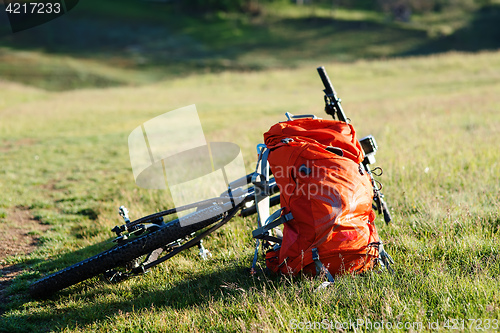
(65, 170)
(128, 42)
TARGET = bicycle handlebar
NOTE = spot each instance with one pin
(329, 90)
(333, 107)
(332, 102)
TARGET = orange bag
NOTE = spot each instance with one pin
(317, 166)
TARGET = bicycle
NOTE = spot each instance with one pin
(149, 241)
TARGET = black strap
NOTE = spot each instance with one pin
(262, 232)
(320, 268)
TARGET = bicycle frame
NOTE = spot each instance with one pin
(243, 189)
(257, 192)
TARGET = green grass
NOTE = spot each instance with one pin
(64, 156)
(122, 43)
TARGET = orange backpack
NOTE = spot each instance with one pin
(326, 198)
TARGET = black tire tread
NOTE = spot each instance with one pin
(114, 257)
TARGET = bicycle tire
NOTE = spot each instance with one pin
(121, 254)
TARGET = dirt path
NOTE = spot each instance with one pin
(18, 236)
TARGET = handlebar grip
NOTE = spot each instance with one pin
(329, 90)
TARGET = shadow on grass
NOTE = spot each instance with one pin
(70, 258)
(483, 33)
(211, 42)
(86, 309)
(174, 44)
(15, 280)
(160, 35)
(340, 40)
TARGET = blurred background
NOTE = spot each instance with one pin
(151, 40)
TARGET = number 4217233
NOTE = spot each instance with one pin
(34, 8)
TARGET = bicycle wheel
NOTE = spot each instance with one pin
(122, 254)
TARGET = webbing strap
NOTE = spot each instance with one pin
(384, 258)
(320, 268)
(260, 179)
(255, 256)
(275, 220)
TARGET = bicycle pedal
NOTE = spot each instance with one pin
(112, 276)
(205, 254)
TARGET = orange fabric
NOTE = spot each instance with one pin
(331, 201)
